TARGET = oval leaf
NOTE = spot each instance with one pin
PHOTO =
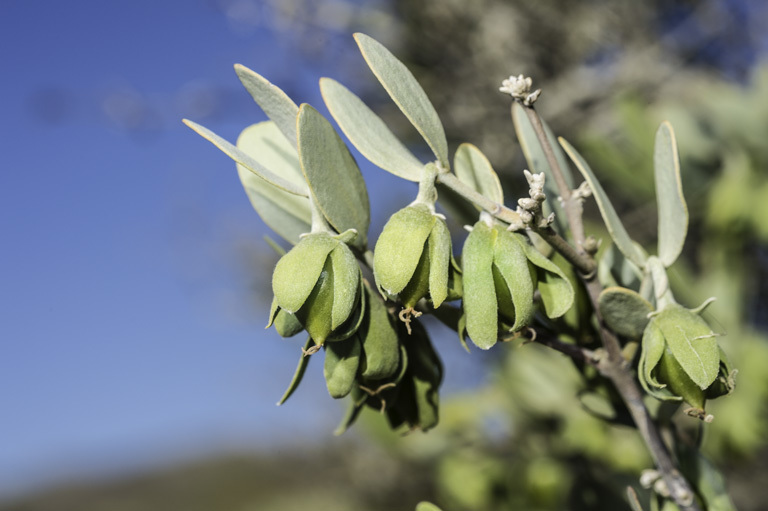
(381, 352)
(673, 212)
(286, 214)
(346, 284)
(624, 311)
(692, 342)
(473, 168)
(368, 132)
(406, 92)
(439, 246)
(337, 186)
(611, 219)
(276, 104)
(480, 305)
(554, 287)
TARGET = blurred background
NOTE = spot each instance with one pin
(135, 372)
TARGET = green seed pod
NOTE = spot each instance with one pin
(681, 360)
(319, 282)
(498, 283)
(413, 255)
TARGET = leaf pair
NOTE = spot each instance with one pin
(271, 151)
(368, 132)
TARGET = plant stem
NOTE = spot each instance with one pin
(614, 367)
(499, 211)
(580, 260)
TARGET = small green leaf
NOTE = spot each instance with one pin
(298, 374)
(439, 246)
(624, 311)
(692, 342)
(554, 287)
(286, 214)
(276, 104)
(400, 245)
(332, 174)
(473, 168)
(673, 212)
(246, 161)
(480, 305)
(346, 284)
(381, 353)
(653, 346)
(537, 161)
(611, 219)
(342, 358)
(427, 506)
(286, 324)
(426, 370)
(297, 272)
(406, 92)
(368, 132)
(512, 263)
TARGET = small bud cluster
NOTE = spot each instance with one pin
(519, 87)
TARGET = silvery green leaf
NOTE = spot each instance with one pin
(274, 246)
(368, 132)
(673, 212)
(611, 219)
(355, 320)
(473, 168)
(346, 284)
(554, 287)
(286, 324)
(342, 359)
(297, 272)
(692, 342)
(298, 374)
(381, 353)
(247, 161)
(439, 246)
(400, 245)
(337, 186)
(512, 263)
(537, 161)
(480, 306)
(406, 92)
(276, 104)
(287, 214)
(624, 311)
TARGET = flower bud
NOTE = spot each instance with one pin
(412, 258)
(500, 271)
(318, 281)
(681, 361)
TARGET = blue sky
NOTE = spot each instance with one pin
(128, 331)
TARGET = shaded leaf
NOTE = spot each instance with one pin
(406, 92)
(554, 287)
(427, 506)
(337, 186)
(298, 374)
(611, 219)
(368, 132)
(381, 353)
(512, 264)
(342, 359)
(439, 247)
(624, 311)
(673, 212)
(276, 104)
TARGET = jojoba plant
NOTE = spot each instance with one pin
(530, 272)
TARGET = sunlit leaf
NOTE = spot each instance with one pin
(673, 212)
(611, 219)
(473, 168)
(247, 161)
(276, 104)
(480, 305)
(368, 132)
(286, 214)
(624, 311)
(406, 92)
(337, 186)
